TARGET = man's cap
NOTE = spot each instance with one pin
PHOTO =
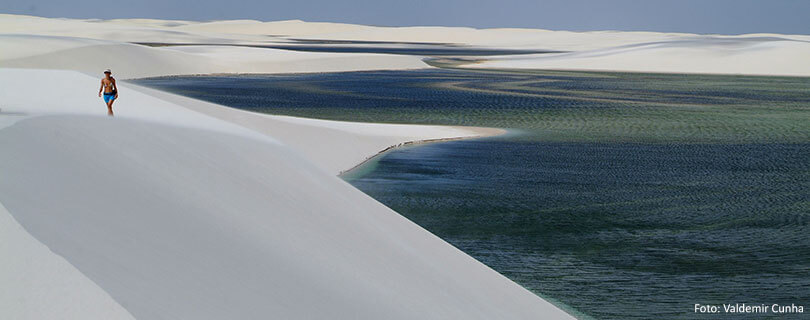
(107, 71)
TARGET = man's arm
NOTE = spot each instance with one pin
(116, 88)
(101, 88)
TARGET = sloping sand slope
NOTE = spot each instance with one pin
(31, 275)
(190, 224)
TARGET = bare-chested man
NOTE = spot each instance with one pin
(110, 90)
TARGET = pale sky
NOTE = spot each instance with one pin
(697, 16)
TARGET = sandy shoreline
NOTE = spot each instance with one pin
(332, 136)
(481, 132)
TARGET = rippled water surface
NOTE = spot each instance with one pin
(616, 195)
(616, 230)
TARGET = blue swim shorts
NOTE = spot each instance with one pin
(109, 97)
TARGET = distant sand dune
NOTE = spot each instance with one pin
(761, 54)
(750, 56)
(137, 61)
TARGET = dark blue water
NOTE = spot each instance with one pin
(617, 196)
(616, 231)
(584, 107)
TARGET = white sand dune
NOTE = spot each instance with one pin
(182, 209)
(125, 30)
(280, 29)
(190, 224)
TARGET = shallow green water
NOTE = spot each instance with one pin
(617, 196)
